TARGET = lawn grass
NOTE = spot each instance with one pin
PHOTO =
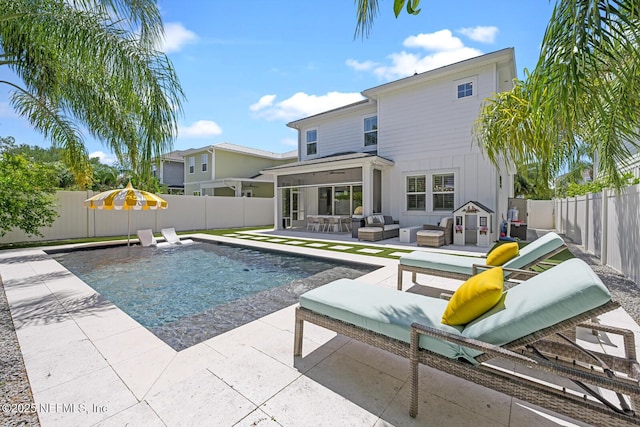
(354, 248)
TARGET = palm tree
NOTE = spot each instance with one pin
(583, 91)
(367, 10)
(92, 65)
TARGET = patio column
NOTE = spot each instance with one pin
(367, 189)
(277, 208)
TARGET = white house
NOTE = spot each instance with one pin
(405, 150)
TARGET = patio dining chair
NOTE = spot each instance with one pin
(333, 223)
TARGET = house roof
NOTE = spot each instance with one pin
(329, 159)
(245, 150)
(294, 124)
(371, 94)
(502, 55)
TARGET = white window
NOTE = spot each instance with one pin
(443, 192)
(192, 164)
(371, 131)
(204, 159)
(465, 88)
(312, 142)
(416, 193)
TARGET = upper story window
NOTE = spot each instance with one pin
(204, 159)
(443, 192)
(416, 193)
(312, 142)
(465, 89)
(371, 131)
(192, 164)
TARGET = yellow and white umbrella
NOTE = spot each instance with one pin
(127, 198)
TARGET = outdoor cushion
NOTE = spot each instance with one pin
(557, 294)
(382, 310)
(464, 264)
(502, 253)
(441, 261)
(474, 297)
(536, 249)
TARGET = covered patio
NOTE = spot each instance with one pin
(335, 186)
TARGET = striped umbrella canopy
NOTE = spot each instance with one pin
(127, 198)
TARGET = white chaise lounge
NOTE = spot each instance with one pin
(170, 236)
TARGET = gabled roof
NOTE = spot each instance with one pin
(329, 159)
(501, 56)
(245, 150)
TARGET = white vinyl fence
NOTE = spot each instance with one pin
(183, 213)
(607, 225)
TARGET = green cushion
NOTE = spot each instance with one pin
(441, 262)
(534, 250)
(542, 301)
(387, 311)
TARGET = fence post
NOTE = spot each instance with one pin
(585, 244)
(604, 227)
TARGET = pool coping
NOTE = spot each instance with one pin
(91, 364)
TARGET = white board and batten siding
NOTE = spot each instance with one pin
(338, 133)
(427, 130)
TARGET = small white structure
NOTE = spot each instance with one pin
(473, 224)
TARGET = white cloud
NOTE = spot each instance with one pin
(442, 47)
(361, 66)
(438, 41)
(105, 159)
(480, 34)
(176, 36)
(200, 129)
(302, 105)
(265, 101)
(404, 64)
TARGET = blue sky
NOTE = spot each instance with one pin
(249, 67)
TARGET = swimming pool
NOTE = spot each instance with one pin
(186, 294)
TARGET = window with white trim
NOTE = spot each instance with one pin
(204, 159)
(416, 193)
(192, 164)
(443, 191)
(465, 90)
(312, 142)
(371, 131)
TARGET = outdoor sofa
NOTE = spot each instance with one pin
(525, 327)
(378, 227)
(462, 267)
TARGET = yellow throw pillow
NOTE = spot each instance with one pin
(474, 297)
(502, 254)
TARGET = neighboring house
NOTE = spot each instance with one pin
(231, 170)
(170, 171)
(406, 150)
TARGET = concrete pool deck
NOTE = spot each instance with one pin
(91, 364)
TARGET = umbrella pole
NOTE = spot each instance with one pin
(128, 226)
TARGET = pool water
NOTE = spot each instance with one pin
(201, 289)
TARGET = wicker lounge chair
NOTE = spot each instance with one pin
(170, 236)
(529, 318)
(462, 267)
